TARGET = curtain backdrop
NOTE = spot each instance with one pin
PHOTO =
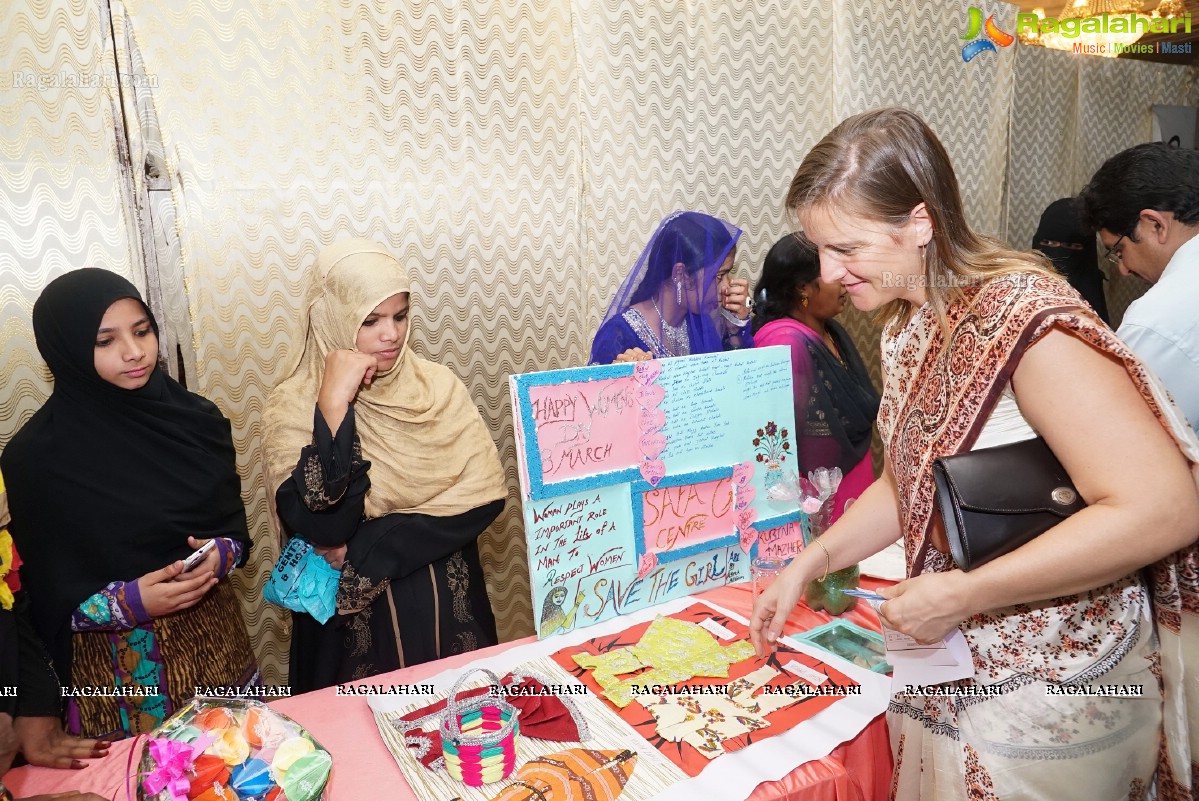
(64, 201)
(1069, 115)
(516, 156)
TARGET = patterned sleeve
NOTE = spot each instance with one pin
(117, 607)
(229, 552)
(326, 466)
(323, 498)
(612, 339)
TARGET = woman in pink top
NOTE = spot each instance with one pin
(835, 401)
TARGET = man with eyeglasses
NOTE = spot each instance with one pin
(1144, 204)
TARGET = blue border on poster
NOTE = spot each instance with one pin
(539, 490)
(640, 487)
(778, 521)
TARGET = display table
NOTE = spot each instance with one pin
(363, 768)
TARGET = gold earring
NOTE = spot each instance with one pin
(803, 301)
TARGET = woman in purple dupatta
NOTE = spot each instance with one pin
(835, 401)
(680, 298)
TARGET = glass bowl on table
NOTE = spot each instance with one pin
(763, 570)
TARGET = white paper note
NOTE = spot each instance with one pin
(806, 673)
(715, 628)
(919, 664)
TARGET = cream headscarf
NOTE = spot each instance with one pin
(429, 449)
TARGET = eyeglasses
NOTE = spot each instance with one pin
(1115, 252)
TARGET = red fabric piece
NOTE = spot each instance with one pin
(13, 577)
(543, 717)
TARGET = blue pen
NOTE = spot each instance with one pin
(869, 596)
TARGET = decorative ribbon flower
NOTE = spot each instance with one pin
(826, 481)
(174, 760)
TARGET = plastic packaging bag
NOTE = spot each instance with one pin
(303, 581)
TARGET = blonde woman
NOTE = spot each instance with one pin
(985, 346)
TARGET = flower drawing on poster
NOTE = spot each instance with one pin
(771, 447)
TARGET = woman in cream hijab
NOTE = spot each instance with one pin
(380, 459)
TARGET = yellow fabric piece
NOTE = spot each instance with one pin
(689, 648)
(676, 650)
(4, 518)
(622, 660)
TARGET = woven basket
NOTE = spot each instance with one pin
(478, 735)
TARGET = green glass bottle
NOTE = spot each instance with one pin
(826, 594)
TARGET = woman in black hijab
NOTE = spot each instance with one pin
(1061, 237)
(118, 477)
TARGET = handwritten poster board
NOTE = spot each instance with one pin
(646, 482)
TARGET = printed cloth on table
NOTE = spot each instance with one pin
(579, 774)
(704, 722)
(782, 702)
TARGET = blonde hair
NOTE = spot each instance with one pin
(881, 165)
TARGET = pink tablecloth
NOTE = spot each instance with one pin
(859, 770)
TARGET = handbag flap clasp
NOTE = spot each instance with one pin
(1020, 478)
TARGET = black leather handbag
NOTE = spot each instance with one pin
(996, 499)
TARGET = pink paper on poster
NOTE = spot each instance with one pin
(650, 419)
(687, 515)
(586, 428)
(782, 542)
(744, 494)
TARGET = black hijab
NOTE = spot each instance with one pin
(104, 483)
(1060, 236)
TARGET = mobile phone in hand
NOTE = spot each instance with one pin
(197, 556)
